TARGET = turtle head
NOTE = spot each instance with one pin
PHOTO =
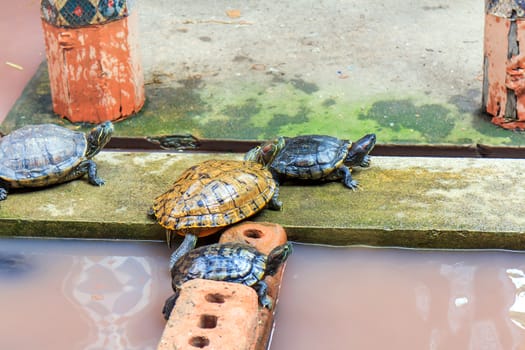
(277, 257)
(98, 138)
(358, 152)
(265, 153)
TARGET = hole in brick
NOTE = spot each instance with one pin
(215, 298)
(199, 342)
(208, 321)
(253, 233)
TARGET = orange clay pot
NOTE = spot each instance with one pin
(504, 64)
(95, 72)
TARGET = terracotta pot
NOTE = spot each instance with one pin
(94, 66)
(504, 63)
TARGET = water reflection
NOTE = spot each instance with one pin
(82, 294)
(460, 278)
(363, 298)
(110, 291)
(108, 295)
(517, 310)
(14, 265)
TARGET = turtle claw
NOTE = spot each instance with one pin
(275, 204)
(365, 163)
(262, 291)
(3, 194)
(266, 302)
(97, 182)
(352, 184)
(357, 188)
(151, 213)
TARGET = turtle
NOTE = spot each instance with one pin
(235, 262)
(314, 157)
(46, 154)
(211, 195)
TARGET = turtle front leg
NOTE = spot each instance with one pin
(365, 163)
(262, 291)
(275, 203)
(92, 173)
(189, 242)
(86, 167)
(346, 174)
(169, 305)
(3, 190)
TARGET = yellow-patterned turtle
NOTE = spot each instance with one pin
(211, 195)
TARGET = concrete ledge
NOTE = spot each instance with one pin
(413, 202)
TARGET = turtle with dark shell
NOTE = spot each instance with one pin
(314, 157)
(229, 262)
(47, 154)
(210, 196)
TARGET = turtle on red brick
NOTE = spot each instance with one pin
(228, 262)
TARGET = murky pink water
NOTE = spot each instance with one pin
(109, 295)
(82, 294)
(365, 299)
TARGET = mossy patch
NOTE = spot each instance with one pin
(306, 87)
(168, 110)
(241, 109)
(238, 121)
(329, 102)
(431, 121)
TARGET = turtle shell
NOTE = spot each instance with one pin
(229, 262)
(40, 155)
(214, 193)
(310, 157)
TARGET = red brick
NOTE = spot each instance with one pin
(212, 315)
(263, 236)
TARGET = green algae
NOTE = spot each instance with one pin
(306, 87)
(432, 122)
(278, 105)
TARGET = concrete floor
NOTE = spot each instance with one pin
(365, 48)
(410, 71)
